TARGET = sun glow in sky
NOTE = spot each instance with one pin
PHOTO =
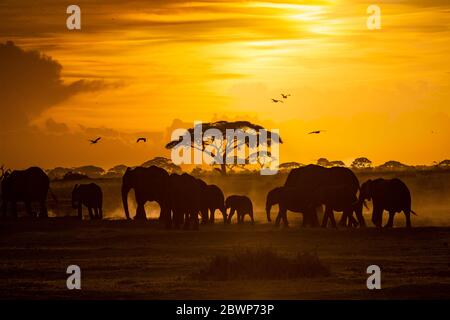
(383, 94)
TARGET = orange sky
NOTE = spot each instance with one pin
(382, 94)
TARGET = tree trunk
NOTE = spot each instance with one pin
(223, 169)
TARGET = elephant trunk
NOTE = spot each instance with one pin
(268, 207)
(125, 190)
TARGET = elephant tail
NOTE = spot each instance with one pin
(412, 211)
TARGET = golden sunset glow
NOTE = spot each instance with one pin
(383, 94)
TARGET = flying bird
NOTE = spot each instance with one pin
(285, 96)
(94, 141)
(316, 132)
(277, 100)
(141, 139)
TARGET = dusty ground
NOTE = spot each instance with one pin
(137, 260)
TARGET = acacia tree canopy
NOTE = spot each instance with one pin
(221, 146)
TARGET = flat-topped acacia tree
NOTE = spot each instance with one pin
(221, 146)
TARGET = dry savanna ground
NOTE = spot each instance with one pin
(139, 260)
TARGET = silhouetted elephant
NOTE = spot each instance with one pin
(313, 177)
(240, 204)
(216, 201)
(149, 184)
(292, 199)
(30, 185)
(212, 198)
(390, 195)
(339, 198)
(91, 196)
(203, 201)
(185, 200)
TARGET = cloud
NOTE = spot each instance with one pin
(53, 143)
(30, 83)
(56, 127)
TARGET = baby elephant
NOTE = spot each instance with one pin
(242, 205)
(391, 195)
(89, 195)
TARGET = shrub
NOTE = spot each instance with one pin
(262, 264)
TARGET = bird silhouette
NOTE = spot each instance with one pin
(285, 96)
(316, 131)
(94, 141)
(141, 139)
(277, 100)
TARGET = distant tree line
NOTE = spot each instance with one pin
(94, 172)
(359, 164)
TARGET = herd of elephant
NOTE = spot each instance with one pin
(183, 198)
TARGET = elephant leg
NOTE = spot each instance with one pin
(140, 212)
(29, 210)
(281, 214)
(377, 217)
(240, 217)
(343, 222)
(204, 213)
(186, 221)
(333, 221)
(80, 212)
(352, 222)
(374, 220)
(347, 216)
(178, 219)
(314, 219)
(359, 215)
(194, 220)
(285, 219)
(325, 218)
(344, 219)
(306, 219)
(165, 216)
(44, 212)
(212, 214)
(100, 212)
(390, 222)
(277, 220)
(232, 210)
(329, 214)
(361, 221)
(408, 218)
(91, 215)
(224, 214)
(251, 218)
